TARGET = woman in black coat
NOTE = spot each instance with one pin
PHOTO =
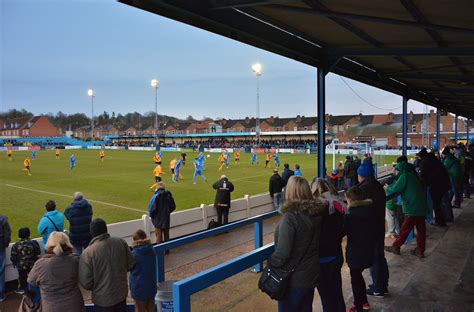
(161, 206)
(222, 202)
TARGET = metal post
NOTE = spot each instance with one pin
(321, 122)
(456, 129)
(405, 126)
(92, 117)
(467, 131)
(438, 135)
(257, 119)
(160, 265)
(156, 118)
(258, 242)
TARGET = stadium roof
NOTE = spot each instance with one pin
(420, 49)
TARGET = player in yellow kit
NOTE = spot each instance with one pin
(172, 165)
(222, 159)
(157, 158)
(27, 165)
(157, 173)
(58, 153)
(237, 157)
(267, 159)
(102, 155)
(9, 154)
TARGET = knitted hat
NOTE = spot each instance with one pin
(423, 152)
(366, 170)
(446, 151)
(24, 232)
(98, 227)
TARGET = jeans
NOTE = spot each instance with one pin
(2, 272)
(436, 199)
(330, 286)
(119, 307)
(447, 208)
(392, 222)
(408, 224)
(358, 288)
(22, 277)
(297, 299)
(277, 198)
(456, 191)
(379, 269)
(349, 182)
(222, 212)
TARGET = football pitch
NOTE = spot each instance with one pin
(118, 188)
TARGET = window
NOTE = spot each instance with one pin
(440, 127)
(295, 128)
(305, 128)
(341, 128)
(334, 128)
(413, 128)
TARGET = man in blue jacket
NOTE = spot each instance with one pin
(52, 221)
(79, 214)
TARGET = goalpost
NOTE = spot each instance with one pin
(349, 149)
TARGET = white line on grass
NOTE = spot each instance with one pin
(69, 196)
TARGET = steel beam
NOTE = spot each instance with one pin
(413, 51)
(229, 4)
(447, 77)
(467, 132)
(405, 125)
(456, 118)
(438, 135)
(321, 122)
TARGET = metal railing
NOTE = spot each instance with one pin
(160, 249)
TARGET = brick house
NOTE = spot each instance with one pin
(36, 126)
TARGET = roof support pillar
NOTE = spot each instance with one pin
(321, 122)
(456, 129)
(467, 132)
(438, 135)
(405, 126)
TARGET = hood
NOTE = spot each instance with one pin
(402, 167)
(99, 238)
(81, 203)
(143, 247)
(312, 206)
(359, 203)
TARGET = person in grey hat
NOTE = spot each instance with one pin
(103, 268)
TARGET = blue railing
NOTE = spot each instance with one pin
(160, 249)
(183, 289)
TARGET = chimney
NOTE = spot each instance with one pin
(271, 119)
(298, 118)
(247, 120)
(410, 116)
(390, 117)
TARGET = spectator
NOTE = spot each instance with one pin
(297, 244)
(160, 208)
(357, 162)
(103, 268)
(143, 274)
(276, 189)
(5, 235)
(350, 174)
(23, 256)
(334, 179)
(52, 220)
(56, 276)
(453, 167)
(79, 214)
(297, 171)
(222, 202)
(415, 209)
(393, 227)
(340, 175)
(359, 227)
(373, 190)
(287, 173)
(330, 251)
(434, 176)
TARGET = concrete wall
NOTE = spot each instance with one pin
(182, 222)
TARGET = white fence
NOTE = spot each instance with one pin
(182, 222)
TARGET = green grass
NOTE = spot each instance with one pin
(122, 179)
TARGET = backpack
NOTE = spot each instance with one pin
(212, 224)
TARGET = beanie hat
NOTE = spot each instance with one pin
(24, 232)
(423, 152)
(98, 227)
(446, 151)
(366, 170)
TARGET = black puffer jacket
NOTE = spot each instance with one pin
(79, 215)
(359, 228)
(5, 232)
(224, 187)
(374, 190)
(297, 241)
(276, 184)
(433, 174)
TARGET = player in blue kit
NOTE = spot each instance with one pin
(177, 169)
(227, 159)
(276, 159)
(72, 161)
(254, 158)
(198, 170)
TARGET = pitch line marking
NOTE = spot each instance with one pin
(69, 196)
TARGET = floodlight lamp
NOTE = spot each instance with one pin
(257, 69)
(90, 92)
(154, 83)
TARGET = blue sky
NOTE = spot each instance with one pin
(52, 51)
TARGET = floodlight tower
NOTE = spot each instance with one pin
(91, 93)
(154, 84)
(257, 70)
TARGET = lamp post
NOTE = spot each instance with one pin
(257, 69)
(154, 84)
(91, 93)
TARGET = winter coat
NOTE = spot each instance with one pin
(297, 241)
(286, 174)
(161, 206)
(46, 227)
(331, 226)
(56, 276)
(79, 214)
(224, 188)
(5, 232)
(412, 192)
(25, 253)
(350, 171)
(359, 229)
(276, 184)
(103, 268)
(433, 174)
(453, 166)
(374, 190)
(143, 274)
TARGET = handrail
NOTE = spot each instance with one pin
(183, 289)
(160, 249)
